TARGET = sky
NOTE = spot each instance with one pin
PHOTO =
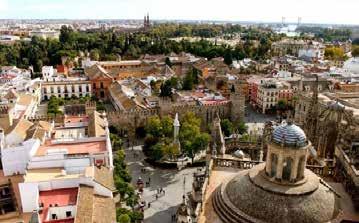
(311, 11)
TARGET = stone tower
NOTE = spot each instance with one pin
(237, 102)
(311, 122)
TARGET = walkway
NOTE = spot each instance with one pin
(170, 180)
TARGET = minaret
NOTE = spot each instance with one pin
(176, 126)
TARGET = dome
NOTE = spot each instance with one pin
(250, 197)
(289, 134)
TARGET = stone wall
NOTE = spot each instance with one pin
(137, 118)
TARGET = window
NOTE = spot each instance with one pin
(94, 85)
(54, 216)
(68, 214)
(101, 85)
(87, 88)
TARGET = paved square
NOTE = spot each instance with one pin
(171, 181)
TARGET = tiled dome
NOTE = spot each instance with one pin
(290, 135)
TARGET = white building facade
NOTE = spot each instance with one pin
(65, 89)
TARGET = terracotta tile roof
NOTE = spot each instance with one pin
(104, 176)
(96, 72)
(25, 99)
(85, 202)
(36, 132)
(120, 97)
(104, 210)
(94, 208)
(97, 125)
(21, 128)
(76, 119)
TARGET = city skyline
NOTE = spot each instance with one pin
(320, 11)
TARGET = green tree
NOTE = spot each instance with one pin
(228, 57)
(191, 138)
(166, 89)
(240, 127)
(334, 53)
(190, 80)
(355, 51)
(95, 55)
(227, 127)
(124, 218)
(154, 127)
(167, 126)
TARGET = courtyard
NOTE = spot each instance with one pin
(173, 182)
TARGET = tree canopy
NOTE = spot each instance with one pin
(355, 51)
(109, 45)
(191, 138)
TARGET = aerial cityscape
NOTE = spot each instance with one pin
(179, 112)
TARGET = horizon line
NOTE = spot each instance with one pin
(190, 20)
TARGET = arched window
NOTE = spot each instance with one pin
(301, 166)
(287, 168)
(274, 163)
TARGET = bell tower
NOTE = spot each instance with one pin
(237, 99)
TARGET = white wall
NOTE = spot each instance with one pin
(101, 190)
(71, 165)
(61, 212)
(29, 193)
(15, 159)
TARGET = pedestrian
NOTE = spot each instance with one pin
(149, 204)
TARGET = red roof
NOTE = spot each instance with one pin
(75, 148)
(76, 119)
(60, 197)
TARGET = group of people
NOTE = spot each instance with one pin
(173, 217)
(160, 191)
